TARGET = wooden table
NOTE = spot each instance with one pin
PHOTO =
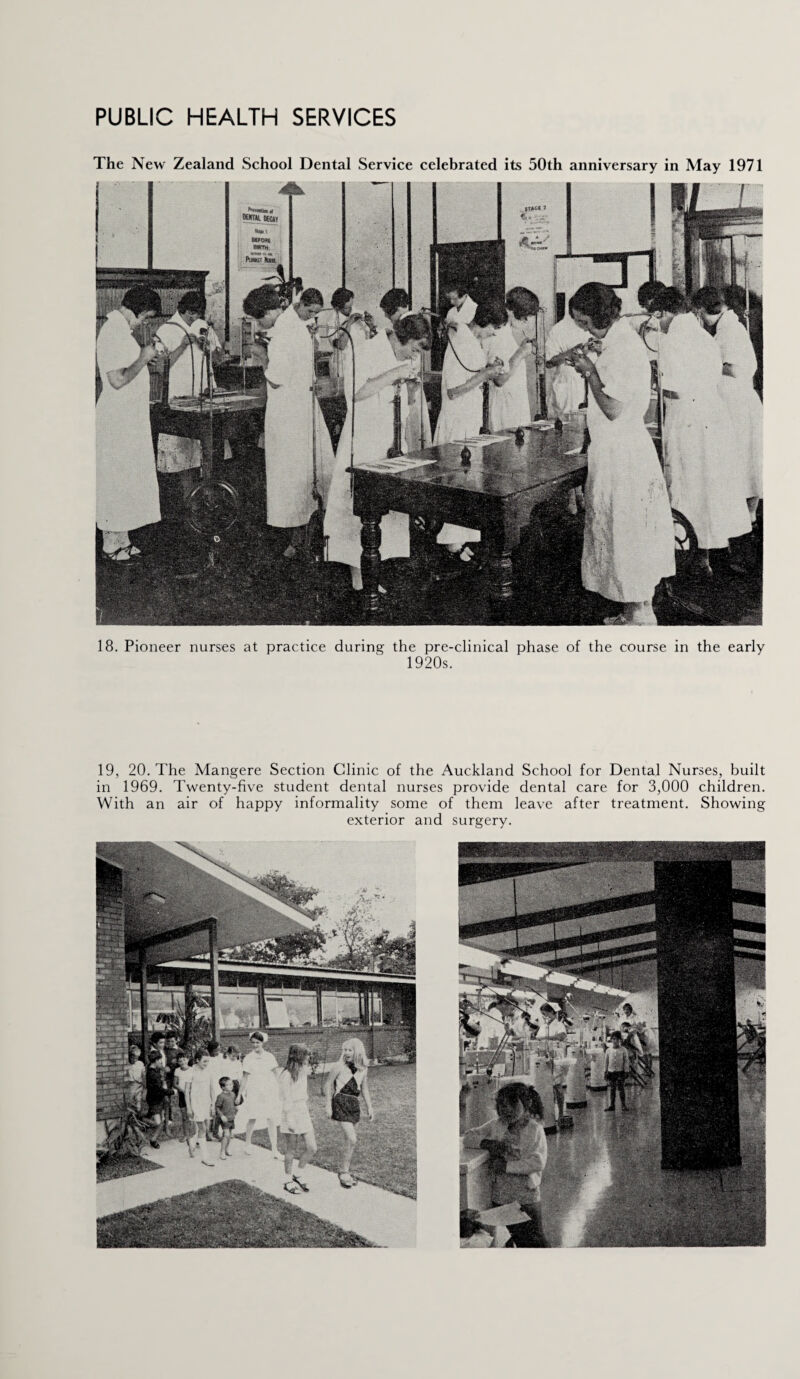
(235, 416)
(495, 491)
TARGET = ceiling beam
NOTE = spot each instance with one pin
(558, 915)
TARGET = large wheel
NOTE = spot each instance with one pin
(212, 508)
(685, 536)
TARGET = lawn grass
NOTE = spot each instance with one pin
(229, 1215)
(386, 1152)
(123, 1166)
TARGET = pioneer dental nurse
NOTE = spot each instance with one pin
(127, 485)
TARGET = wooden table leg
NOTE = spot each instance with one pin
(499, 571)
(371, 564)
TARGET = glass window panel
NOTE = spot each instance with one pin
(302, 1009)
(349, 1009)
(377, 1008)
(277, 1014)
(238, 1010)
(329, 1012)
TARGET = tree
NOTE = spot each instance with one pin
(358, 930)
(292, 948)
(398, 954)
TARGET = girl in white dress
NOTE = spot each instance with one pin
(464, 372)
(298, 1141)
(628, 543)
(258, 1093)
(127, 486)
(739, 365)
(368, 433)
(700, 448)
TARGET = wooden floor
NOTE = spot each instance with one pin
(253, 585)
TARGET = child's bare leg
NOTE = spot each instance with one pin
(202, 1138)
(309, 1149)
(273, 1138)
(248, 1136)
(348, 1149)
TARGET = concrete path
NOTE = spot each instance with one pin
(384, 1218)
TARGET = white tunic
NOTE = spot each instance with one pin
(742, 400)
(702, 458)
(370, 423)
(628, 543)
(288, 426)
(188, 376)
(464, 314)
(567, 387)
(261, 1100)
(509, 405)
(460, 418)
(127, 487)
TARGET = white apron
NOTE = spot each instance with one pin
(628, 543)
(701, 453)
(288, 426)
(127, 486)
(460, 418)
(374, 435)
(509, 406)
(188, 377)
(742, 400)
(567, 390)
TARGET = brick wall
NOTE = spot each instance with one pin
(111, 1034)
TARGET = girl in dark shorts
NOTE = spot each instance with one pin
(344, 1090)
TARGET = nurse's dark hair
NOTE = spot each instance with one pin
(521, 302)
(413, 327)
(648, 292)
(735, 297)
(312, 297)
(669, 299)
(193, 301)
(490, 314)
(261, 300)
(142, 298)
(459, 285)
(396, 299)
(599, 302)
(708, 299)
(341, 297)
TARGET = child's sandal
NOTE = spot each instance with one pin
(293, 1188)
(347, 1180)
(302, 1186)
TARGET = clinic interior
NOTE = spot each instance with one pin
(370, 237)
(664, 943)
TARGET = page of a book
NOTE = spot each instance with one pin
(420, 575)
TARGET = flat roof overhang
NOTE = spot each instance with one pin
(169, 887)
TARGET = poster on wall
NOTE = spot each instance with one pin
(259, 236)
(534, 228)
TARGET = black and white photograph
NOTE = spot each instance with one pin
(391, 403)
(612, 1045)
(256, 1046)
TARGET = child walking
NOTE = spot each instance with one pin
(517, 1150)
(297, 1138)
(201, 1100)
(617, 1065)
(224, 1116)
(345, 1087)
(182, 1079)
(156, 1094)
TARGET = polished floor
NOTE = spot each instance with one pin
(604, 1186)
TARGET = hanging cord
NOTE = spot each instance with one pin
(192, 340)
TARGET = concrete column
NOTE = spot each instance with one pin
(697, 1015)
